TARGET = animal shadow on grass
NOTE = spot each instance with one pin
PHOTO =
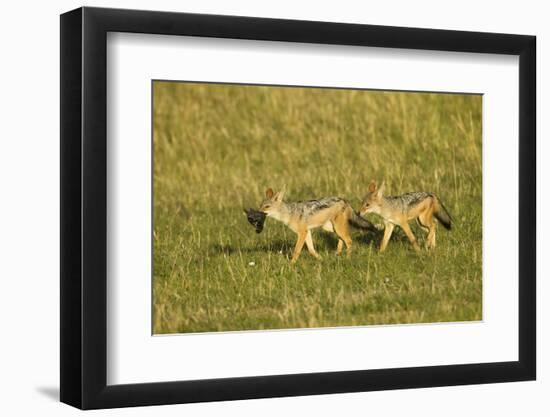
(329, 241)
(273, 246)
(398, 236)
(325, 241)
(368, 238)
(322, 241)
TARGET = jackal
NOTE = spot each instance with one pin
(398, 210)
(333, 214)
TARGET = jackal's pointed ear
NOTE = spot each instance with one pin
(372, 186)
(279, 196)
(269, 193)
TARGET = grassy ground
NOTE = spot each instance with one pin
(217, 148)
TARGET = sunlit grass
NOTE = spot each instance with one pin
(218, 147)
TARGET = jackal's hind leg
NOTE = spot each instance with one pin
(340, 247)
(431, 237)
(427, 222)
(341, 228)
(310, 247)
(422, 225)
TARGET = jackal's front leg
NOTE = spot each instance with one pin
(388, 230)
(407, 229)
(299, 245)
(310, 247)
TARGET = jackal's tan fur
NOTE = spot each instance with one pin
(333, 214)
(399, 210)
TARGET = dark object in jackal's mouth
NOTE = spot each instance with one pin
(256, 219)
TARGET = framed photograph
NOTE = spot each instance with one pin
(258, 208)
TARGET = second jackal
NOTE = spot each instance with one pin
(398, 210)
(333, 214)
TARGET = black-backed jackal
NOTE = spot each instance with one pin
(333, 214)
(398, 210)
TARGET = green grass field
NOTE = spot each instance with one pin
(218, 147)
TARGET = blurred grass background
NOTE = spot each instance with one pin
(218, 147)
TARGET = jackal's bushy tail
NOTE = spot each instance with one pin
(357, 221)
(442, 214)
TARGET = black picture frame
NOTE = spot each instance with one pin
(84, 207)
